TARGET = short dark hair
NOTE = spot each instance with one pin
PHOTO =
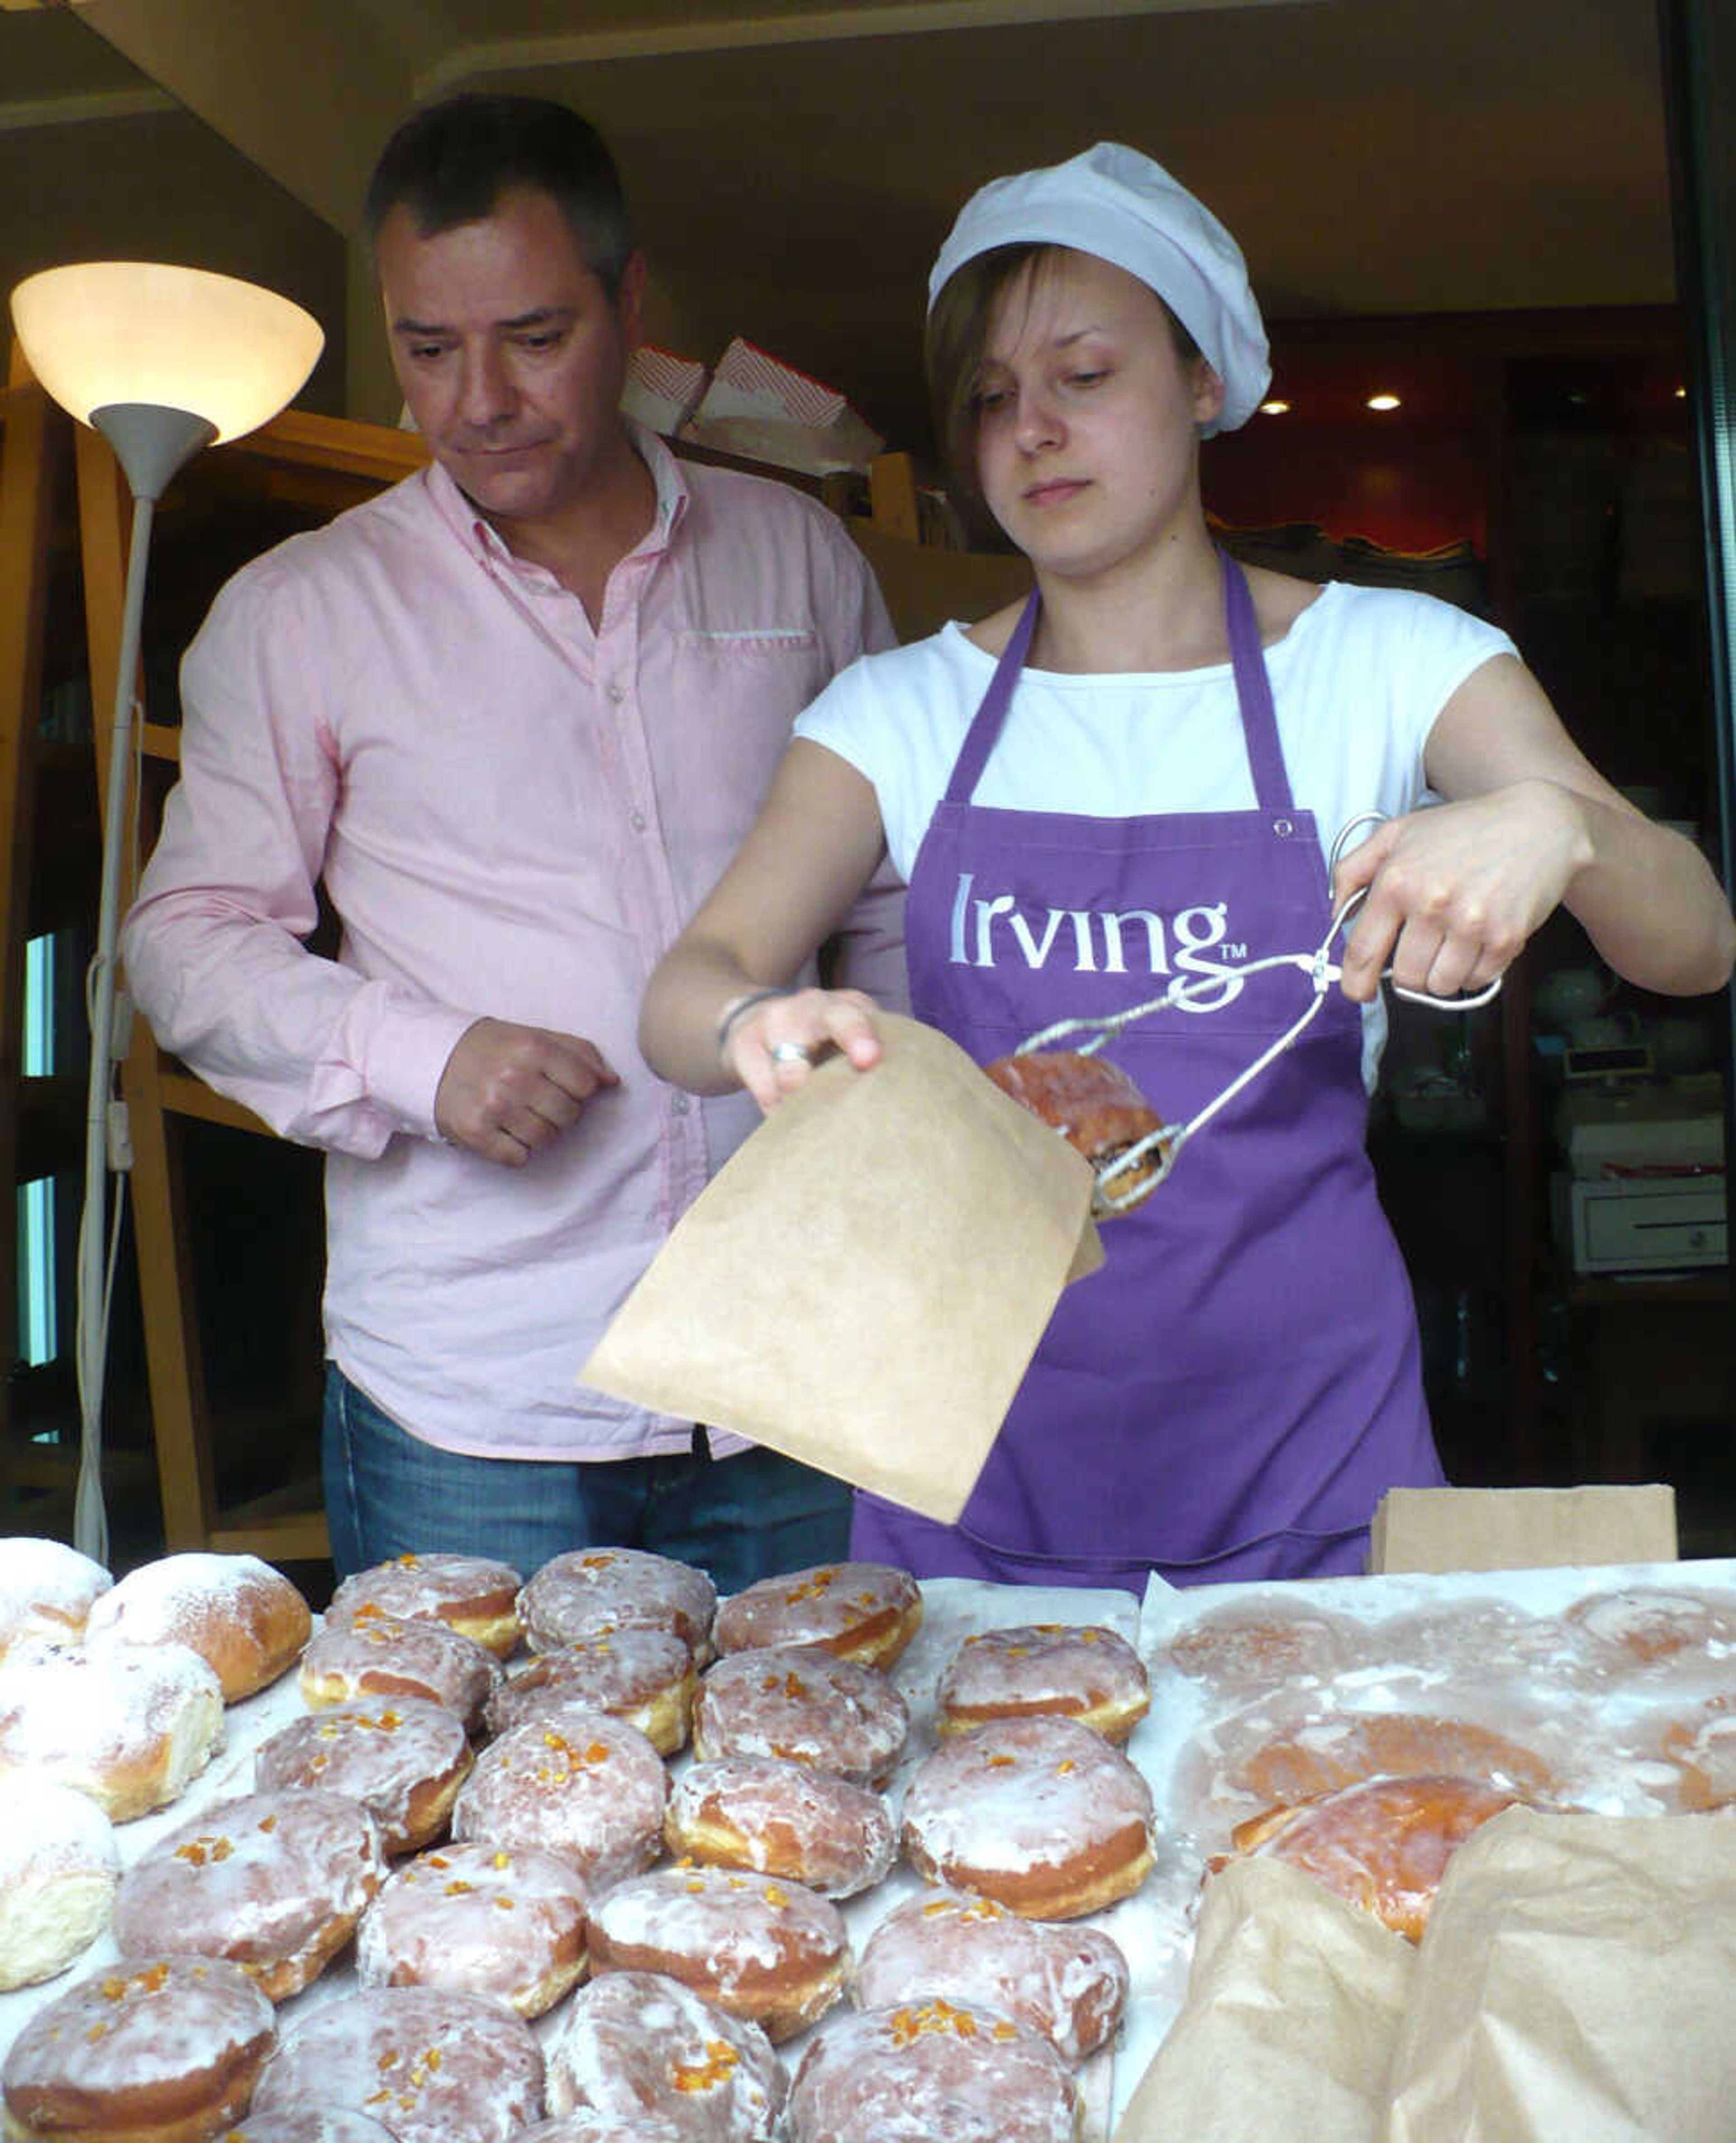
(952, 353)
(450, 162)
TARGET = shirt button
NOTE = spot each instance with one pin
(681, 1104)
(615, 694)
(636, 819)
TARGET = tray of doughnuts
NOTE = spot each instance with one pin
(854, 1839)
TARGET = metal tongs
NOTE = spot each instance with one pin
(1124, 1182)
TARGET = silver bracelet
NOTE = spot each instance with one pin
(737, 1006)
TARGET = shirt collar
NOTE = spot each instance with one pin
(484, 542)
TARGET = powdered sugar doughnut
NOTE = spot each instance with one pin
(507, 1921)
(1041, 1815)
(1083, 1671)
(645, 1676)
(473, 1593)
(130, 1726)
(589, 1788)
(309, 2126)
(433, 2067)
(800, 1701)
(1070, 1984)
(238, 1613)
(771, 1950)
(591, 1592)
(274, 1881)
(1383, 1845)
(47, 1589)
(58, 1869)
(782, 1818)
(390, 1655)
(160, 2049)
(860, 1611)
(931, 2069)
(404, 1760)
(640, 2046)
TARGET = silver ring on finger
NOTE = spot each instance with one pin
(790, 1053)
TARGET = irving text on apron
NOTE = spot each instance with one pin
(1230, 1395)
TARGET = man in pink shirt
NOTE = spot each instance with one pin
(516, 713)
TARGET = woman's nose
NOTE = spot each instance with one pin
(1037, 423)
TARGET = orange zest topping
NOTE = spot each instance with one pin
(721, 2060)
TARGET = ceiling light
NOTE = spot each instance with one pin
(1382, 402)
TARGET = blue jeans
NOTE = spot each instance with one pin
(755, 1514)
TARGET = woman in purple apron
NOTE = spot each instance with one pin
(1230, 1395)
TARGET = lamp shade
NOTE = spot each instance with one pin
(107, 332)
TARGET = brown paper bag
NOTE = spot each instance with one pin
(863, 1284)
(1293, 2008)
(1577, 1980)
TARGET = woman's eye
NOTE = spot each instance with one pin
(988, 399)
(1088, 379)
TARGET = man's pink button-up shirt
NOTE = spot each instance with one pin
(513, 815)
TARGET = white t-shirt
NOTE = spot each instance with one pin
(1358, 682)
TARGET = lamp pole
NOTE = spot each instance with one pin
(151, 444)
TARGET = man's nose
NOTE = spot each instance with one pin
(486, 390)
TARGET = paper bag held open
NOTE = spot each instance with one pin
(863, 1284)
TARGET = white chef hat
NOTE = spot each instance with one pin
(1115, 203)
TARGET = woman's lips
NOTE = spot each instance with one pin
(1055, 492)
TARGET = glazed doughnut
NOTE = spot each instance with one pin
(403, 1760)
(1383, 1845)
(600, 2128)
(931, 2069)
(274, 1881)
(391, 1656)
(586, 1788)
(130, 1725)
(1703, 1748)
(1645, 1629)
(1039, 1813)
(771, 1950)
(800, 1701)
(311, 2125)
(1070, 1984)
(47, 1589)
(238, 1613)
(1322, 1755)
(636, 2048)
(1085, 1672)
(432, 2067)
(592, 1591)
(780, 1817)
(645, 1676)
(860, 1611)
(471, 1593)
(1095, 1106)
(1253, 1645)
(507, 1921)
(58, 1869)
(149, 2050)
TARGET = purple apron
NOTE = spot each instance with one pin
(1232, 1393)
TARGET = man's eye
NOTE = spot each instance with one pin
(1088, 379)
(424, 352)
(548, 339)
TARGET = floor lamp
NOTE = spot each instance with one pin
(162, 361)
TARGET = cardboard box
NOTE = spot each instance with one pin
(1449, 1529)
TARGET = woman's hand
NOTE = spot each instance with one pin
(1455, 891)
(773, 1045)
